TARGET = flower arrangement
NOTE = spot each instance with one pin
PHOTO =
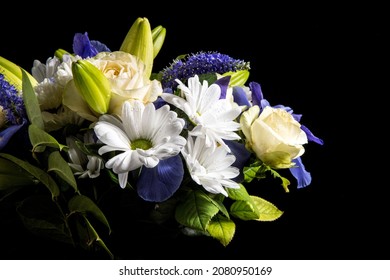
(186, 140)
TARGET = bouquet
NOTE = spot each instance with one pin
(187, 141)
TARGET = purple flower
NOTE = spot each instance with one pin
(13, 110)
(200, 63)
(84, 47)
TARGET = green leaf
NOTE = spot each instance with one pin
(164, 211)
(38, 173)
(41, 216)
(267, 210)
(196, 211)
(89, 236)
(209, 77)
(222, 229)
(57, 164)
(217, 200)
(31, 102)
(256, 170)
(238, 194)
(10, 181)
(285, 181)
(11, 175)
(83, 204)
(39, 137)
(238, 78)
(244, 210)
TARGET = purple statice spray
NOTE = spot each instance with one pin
(197, 64)
(11, 102)
(12, 111)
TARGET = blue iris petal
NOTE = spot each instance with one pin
(82, 46)
(242, 156)
(161, 182)
(257, 94)
(310, 135)
(6, 134)
(303, 177)
(99, 46)
(159, 102)
(223, 84)
(240, 97)
(264, 103)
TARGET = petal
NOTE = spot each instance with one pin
(82, 46)
(223, 84)
(124, 162)
(310, 136)
(299, 172)
(99, 46)
(7, 133)
(242, 156)
(257, 94)
(161, 182)
(112, 135)
(73, 100)
(240, 97)
(122, 177)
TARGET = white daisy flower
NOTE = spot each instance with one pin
(143, 136)
(210, 167)
(214, 117)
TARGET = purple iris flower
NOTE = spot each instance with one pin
(85, 48)
(161, 182)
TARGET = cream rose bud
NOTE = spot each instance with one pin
(275, 136)
(127, 77)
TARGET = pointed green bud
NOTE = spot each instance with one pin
(13, 73)
(238, 78)
(93, 85)
(60, 53)
(158, 36)
(139, 42)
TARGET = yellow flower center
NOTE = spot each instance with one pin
(142, 144)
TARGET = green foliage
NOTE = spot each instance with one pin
(12, 175)
(222, 229)
(38, 173)
(83, 204)
(58, 165)
(31, 102)
(196, 211)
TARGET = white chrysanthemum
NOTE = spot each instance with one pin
(49, 93)
(210, 167)
(144, 136)
(214, 117)
(64, 72)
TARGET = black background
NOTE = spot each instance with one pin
(325, 62)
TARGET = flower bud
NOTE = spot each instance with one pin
(93, 86)
(60, 53)
(13, 73)
(139, 42)
(158, 36)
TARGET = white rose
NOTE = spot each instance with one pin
(126, 74)
(274, 136)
